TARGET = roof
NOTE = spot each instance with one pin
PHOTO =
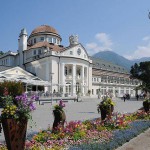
(105, 65)
(19, 74)
(44, 28)
(9, 53)
(99, 72)
(51, 46)
(2, 68)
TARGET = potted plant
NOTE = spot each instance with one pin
(106, 107)
(14, 118)
(59, 115)
(146, 105)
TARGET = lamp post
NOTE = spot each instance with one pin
(51, 80)
(99, 91)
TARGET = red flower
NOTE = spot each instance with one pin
(5, 91)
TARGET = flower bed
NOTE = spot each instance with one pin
(91, 134)
(119, 137)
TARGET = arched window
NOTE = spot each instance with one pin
(78, 72)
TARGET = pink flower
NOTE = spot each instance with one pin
(61, 104)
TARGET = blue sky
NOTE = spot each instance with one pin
(121, 26)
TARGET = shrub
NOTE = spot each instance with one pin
(14, 88)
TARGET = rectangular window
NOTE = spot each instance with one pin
(50, 40)
(70, 71)
(104, 79)
(69, 89)
(34, 52)
(97, 91)
(42, 39)
(34, 40)
(66, 89)
(57, 41)
(122, 91)
(39, 51)
(54, 40)
(71, 53)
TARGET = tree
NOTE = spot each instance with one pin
(142, 72)
(1, 52)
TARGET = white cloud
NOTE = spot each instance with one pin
(141, 51)
(146, 38)
(102, 43)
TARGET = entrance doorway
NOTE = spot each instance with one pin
(78, 87)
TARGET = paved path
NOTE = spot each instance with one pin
(87, 109)
(141, 142)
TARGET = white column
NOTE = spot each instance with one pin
(87, 80)
(82, 74)
(106, 88)
(74, 80)
(62, 76)
(129, 90)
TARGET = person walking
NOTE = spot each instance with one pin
(124, 97)
(137, 97)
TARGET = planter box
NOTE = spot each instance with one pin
(15, 133)
(106, 111)
(146, 105)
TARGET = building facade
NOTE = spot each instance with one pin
(69, 69)
(114, 79)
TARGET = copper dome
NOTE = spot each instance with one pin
(44, 28)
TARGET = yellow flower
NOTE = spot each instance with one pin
(12, 113)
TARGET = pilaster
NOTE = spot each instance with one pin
(74, 80)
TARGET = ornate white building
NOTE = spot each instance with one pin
(68, 69)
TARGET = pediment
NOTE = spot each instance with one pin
(76, 51)
(16, 71)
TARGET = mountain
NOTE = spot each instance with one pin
(142, 59)
(118, 59)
